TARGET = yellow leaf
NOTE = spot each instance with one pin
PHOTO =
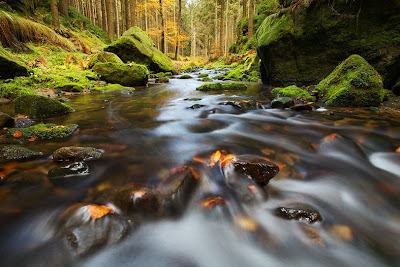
(98, 211)
(246, 223)
(343, 231)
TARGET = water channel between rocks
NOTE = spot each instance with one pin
(339, 163)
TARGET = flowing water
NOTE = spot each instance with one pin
(339, 162)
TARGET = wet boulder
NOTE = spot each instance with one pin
(305, 44)
(299, 212)
(73, 153)
(13, 152)
(104, 57)
(354, 83)
(222, 87)
(70, 87)
(282, 102)
(89, 227)
(10, 68)
(260, 170)
(293, 92)
(185, 77)
(23, 122)
(6, 120)
(66, 173)
(124, 74)
(44, 131)
(196, 106)
(135, 46)
(40, 106)
(162, 80)
(302, 107)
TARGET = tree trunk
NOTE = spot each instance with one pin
(116, 16)
(216, 24)
(163, 48)
(133, 13)
(221, 29)
(146, 25)
(54, 14)
(127, 15)
(178, 41)
(244, 9)
(226, 27)
(110, 18)
(251, 22)
(99, 13)
(63, 8)
(104, 15)
(123, 16)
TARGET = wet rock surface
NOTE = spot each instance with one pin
(40, 106)
(302, 107)
(73, 153)
(23, 122)
(303, 213)
(282, 102)
(18, 152)
(259, 170)
(62, 174)
(6, 120)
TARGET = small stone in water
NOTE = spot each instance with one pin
(260, 172)
(18, 152)
(282, 102)
(196, 106)
(72, 170)
(72, 153)
(308, 214)
(22, 122)
(302, 107)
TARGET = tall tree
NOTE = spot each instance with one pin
(99, 13)
(54, 13)
(221, 28)
(63, 6)
(251, 21)
(178, 36)
(110, 18)
(104, 15)
(244, 9)
(163, 43)
(133, 13)
(127, 14)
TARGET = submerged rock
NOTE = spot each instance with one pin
(6, 120)
(293, 92)
(104, 57)
(304, 45)
(18, 152)
(261, 171)
(23, 122)
(185, 77)
(136, 46)
(40, 106)
(162, 80)
(222, 86)
(73, 153)
(282, 102)
(196, 106)
(44, 131)
(302, 107)
(65, 173)
(354, 83)
(10, 68)
(305, 213)
(70, 87)
(125, 74)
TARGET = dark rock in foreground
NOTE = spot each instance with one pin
(10, 68)
(302, 213)
(73, 153)
(6, 120)
(61, 175)
(260, 171)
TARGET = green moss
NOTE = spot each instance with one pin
(103, 57)
(222, 86)
(13, 152)
(70, 87)
(46, 131)
(110, 87)
(203, 75)
(219, 77)
(162, 80)
(293, 92)
(124, 74)
(185, 76)
(206, 79)
(39, 106)
(274, 27)
(353, 83)
(136, 46)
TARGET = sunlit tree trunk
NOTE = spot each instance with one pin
(54, 14)
(110, 19)
(221, 28)
(63, 6)
(116, 16)
(127, 14)
(178, 41)
(244, 14)
(99, 13)
(163, 43)
(133, 13)
(251, 22)
(104, 15)
(145, 16)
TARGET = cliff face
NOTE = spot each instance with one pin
(303, 45)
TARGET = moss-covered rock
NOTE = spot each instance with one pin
(282, 102)
(10, 68)
(206, 79)
(104, 57)
(222, 86)
(185, 76)
(354, 83)
(293, 92)
(70, 87)
(110, 87)
(45, 131)
(136, 46)
(303, 45)
(203, 75)
(13, 152)
(125, 74)
(162, 80)
(219, 77)
(40, 106)
(6, 120)
(73, 153)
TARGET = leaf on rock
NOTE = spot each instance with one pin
(98, 211)
(17, 134)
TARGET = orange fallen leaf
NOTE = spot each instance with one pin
(10, 166)
(199, 159)
(17, 134)
(215, 157)
(33, 138)
(213, 201)
(343, 231)
(138, 193)
(246, 223)
(194, 173)
(227, 160)
(330, 137)
(98, 211)
(398, 150)
(253, 189)
(268, 128)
